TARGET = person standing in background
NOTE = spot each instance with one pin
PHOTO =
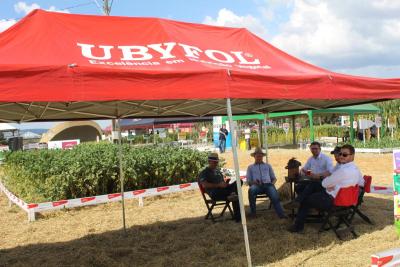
(223, 133)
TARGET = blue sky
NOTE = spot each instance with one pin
(355, 37)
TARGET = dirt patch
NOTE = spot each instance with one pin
(171, 231)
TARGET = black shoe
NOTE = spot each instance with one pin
(294, 229)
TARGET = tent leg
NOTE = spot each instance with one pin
(121, 173)
(294, 130)
(238, 184)
(266, 137)
(351, 127)
(310, 118)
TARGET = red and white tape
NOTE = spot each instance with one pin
(32, 208)
(12, 198)
(384, 190)
(86, 201)
(388, 258)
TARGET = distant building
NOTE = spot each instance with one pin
(85, 131)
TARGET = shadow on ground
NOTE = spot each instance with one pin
(191, 242)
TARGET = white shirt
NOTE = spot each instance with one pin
(347, 175)
(320, 164)
(360, 182)
(247, 133)
(337, 166)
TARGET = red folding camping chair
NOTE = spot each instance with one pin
(344, 203)
(211, 204)
(363, 190)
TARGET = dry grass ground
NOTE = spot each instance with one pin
(171, 231)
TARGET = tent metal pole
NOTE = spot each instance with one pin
(266, 136)
(351, 127)
(121, 173)
(238, 183)
(310, 118)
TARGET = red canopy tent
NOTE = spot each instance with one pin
(62, 66)
(56, 66)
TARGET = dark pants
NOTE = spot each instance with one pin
(319, 200)
(306, 188)
(223, 193)
(222, 145)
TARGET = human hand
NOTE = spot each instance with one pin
(330, 188)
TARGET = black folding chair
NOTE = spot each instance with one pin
(344, 204)
(211, 204)
(356, 208)
(264, 197)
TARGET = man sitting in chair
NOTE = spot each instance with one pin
(317, 167)
(261, 179)
(212, 179)
(346, 175)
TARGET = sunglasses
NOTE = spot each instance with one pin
(344, 155)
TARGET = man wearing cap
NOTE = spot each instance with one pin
(335, 152)
(261, 179)
(212, 179)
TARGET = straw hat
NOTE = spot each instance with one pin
(213, 157)
(258, 150)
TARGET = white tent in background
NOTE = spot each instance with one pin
(5, 127)
(30, 135)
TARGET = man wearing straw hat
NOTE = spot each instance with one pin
(261, 179)
(212, 179)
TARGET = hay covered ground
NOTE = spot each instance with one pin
(171, 231)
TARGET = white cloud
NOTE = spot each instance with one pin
(22, 7)
(229, 19)
(6, 23)
(54, 9)
(357, 34)
(354, 36)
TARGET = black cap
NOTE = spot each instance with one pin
(336, 150)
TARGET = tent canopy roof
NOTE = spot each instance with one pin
(117, 67)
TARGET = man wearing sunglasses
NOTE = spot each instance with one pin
(347, 175)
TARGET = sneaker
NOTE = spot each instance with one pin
(291, 205)
(294, 229)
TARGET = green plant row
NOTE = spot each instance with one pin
(278, 136)
(93, 169)
(385, 142)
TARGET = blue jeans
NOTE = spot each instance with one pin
(271, 192)
(222, 145)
